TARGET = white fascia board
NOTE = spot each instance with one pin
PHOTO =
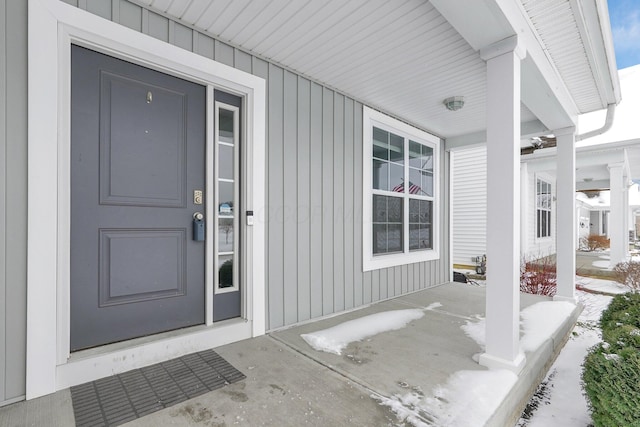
(537, 56)
(592, 18)
(482, 23)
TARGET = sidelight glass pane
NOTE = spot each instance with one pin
(225, 271)
(225, 198)
(225, 234)
(226, 126)
(225, 161)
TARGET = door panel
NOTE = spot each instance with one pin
(137, 155)
(134, 168)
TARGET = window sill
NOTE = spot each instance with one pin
(379, 262)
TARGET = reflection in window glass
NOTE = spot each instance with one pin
(402, 193)
(543, 208)
(227, 195)
(387, 224)
(225, 271)
(420, 224)
(388, 161)
(226, 126)
(225, 234)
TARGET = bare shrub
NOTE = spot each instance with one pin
(538, 276)
(594, 242)
(628, 273)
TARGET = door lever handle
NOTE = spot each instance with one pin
(198, 227)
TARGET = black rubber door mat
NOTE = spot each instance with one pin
(115, 400)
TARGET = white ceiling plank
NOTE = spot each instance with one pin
(161, 5)
(405, 57)
(195, 10)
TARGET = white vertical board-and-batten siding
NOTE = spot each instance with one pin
(13, 199)
(314, 184)
(469, 208)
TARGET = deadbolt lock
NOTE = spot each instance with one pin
(197, 197)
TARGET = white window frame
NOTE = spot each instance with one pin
(371, 118)
(549, 182)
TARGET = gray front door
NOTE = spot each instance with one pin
(137, 156)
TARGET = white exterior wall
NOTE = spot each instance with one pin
(469, 208)
(469, 204)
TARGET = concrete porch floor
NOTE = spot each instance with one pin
(290, 384)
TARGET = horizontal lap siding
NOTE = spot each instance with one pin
(314, 186)
(13, 198)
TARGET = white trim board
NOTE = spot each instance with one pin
(53, 26)
(369, 261)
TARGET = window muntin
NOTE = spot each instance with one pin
(543, 208)
(400, 193)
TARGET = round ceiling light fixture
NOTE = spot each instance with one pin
(454, 103)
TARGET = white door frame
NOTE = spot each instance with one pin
(53, 27)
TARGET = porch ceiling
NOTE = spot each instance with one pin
(402, 57)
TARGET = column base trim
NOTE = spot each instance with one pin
(494, 362)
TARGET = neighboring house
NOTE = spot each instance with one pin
(180, 175)
(538, 201)
(611, 158)
(469, 209)
(595, 212)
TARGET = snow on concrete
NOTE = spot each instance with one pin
(468, 399)
(563, 403)
(476, 330)
(540, 321)
(335, 339)
(537, 324)
(601, 285)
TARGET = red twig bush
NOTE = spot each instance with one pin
(628, 273)
(594, 242)
(538, 276)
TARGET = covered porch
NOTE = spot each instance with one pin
(384, 379)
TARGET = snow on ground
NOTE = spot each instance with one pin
(601, 285)
(468, 399)
(560, 401)
(540, 321)
(335, 339)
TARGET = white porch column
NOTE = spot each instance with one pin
(566, 228)
(616, 215)
(503, 205)
(625, 204)
(524, 200)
